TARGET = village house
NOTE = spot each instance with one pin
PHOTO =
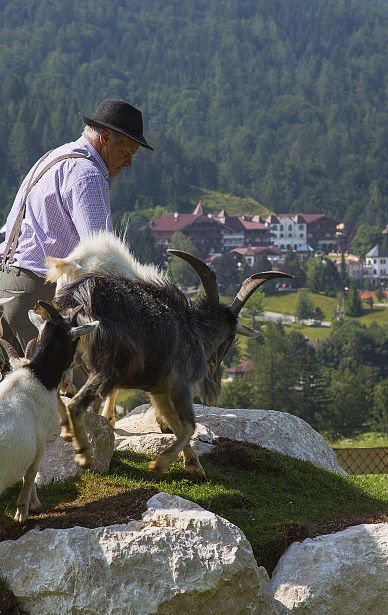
(354, 265)
(216, 234)
(240, 371)
(376, 265)
(252, 254)
(212, 233)
(303, 233)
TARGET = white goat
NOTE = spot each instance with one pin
(28, 403)
(100, 252)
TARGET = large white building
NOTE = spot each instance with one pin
(376, 265)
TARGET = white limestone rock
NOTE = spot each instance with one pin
(58, 460)
(336, 574)
(278, 431)
(181, 559)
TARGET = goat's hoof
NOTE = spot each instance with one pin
(35, 506)
(66, 434)
(156, 468)
(21, 516)
(83, 460)
(195, 471)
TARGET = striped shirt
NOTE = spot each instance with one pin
(68, 202)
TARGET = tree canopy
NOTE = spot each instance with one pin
(281, 101)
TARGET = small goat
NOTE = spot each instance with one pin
(28, 402)
(152, 337)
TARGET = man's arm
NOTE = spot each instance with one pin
(88, 204)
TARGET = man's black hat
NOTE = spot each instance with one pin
(120, 116)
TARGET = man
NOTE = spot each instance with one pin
(58, 204)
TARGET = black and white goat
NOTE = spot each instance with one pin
(152, 337)
(28, 401)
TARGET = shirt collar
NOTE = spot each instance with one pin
(83, 142)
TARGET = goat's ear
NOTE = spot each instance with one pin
(36, 320)
(90, 327)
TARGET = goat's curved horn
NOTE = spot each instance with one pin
(49, 308)
(246, 331)
(9, 349)
(206, 275)
(250, 285)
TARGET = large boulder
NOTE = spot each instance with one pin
(345, 572)
(179, 559)
(278, 431)
(58, 459)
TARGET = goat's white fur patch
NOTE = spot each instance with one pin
(101, 252)
(28, 413)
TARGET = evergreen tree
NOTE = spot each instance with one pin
(353, 304)
(304, 307)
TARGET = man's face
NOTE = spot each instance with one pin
(117, 151)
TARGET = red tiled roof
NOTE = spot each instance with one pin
(174, 222)
(255, 250)
(252, 225)
(242, 368)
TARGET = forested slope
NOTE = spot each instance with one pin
(281, 100)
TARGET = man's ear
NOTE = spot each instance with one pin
(105, 136)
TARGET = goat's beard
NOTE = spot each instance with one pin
(209, 388)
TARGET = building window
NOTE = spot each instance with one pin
(281, 227)
(290, 227)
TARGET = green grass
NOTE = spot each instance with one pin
(312, 333)
(234, 205)
(378, 315)
(274, 499)
(368, 439)
(286, 303)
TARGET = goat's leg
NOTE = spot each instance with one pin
(192, 464)
(109, 408)
(66, 430)
(67, 386)
(161, 421)
(35, 503)
(23, 501)
(177, 411)
(77, 408)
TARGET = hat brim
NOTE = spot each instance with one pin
(138, 138)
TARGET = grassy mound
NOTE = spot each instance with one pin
(274, 499)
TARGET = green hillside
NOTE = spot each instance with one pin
(280, 101)
(234, 205)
